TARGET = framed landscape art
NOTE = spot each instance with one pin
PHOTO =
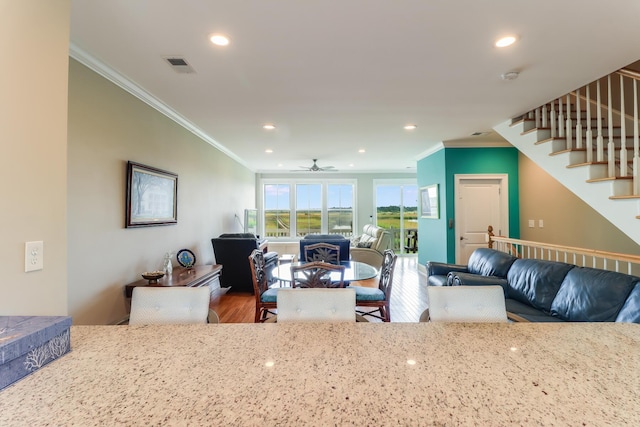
(152, 196)
(429, 202)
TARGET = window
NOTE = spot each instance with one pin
(277, 210)
(296, 208)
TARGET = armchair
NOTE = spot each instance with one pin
(232, 251)
(369, 248)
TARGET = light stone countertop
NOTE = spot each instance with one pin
(374, 374)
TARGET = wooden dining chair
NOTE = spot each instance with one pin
(265, 297)
(325, 252)
(378, 298)
(317, 274)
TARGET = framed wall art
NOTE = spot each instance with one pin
(152, 196)
(429, 206)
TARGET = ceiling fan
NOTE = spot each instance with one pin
(316, 168)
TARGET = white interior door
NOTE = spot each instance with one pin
(481, 200)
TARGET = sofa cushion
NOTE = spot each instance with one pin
(536, 282)
(529, 313)
(437, 280)
(630, 311)
(364, 244)
(489, 262)
(592, 295)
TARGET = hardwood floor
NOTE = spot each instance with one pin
(408, 296)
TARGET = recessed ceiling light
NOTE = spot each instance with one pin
(361, 150)
(268, 151)
(279, 165)
(410, 127)
(350, 165)
(269, 126)
(506, 41)
(219, 39)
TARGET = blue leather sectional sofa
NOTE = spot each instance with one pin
(547, 291)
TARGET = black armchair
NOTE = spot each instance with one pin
(232, 251)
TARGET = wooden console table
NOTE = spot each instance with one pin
(199, 275)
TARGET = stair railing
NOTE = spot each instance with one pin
(557, 117)
(625, 263)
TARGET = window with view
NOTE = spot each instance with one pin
(296, 209)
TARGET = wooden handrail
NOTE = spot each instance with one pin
(518, 248)
(629, 73)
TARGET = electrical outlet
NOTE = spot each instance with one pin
(33, 256)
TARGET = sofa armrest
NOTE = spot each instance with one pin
(368, 256)
(470, 279)
(442, 269)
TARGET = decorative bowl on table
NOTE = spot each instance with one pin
(152, 276)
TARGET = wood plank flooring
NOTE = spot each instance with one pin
(408, 296)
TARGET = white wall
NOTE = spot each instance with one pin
(34, 41)
(108, 127)
(567, 220)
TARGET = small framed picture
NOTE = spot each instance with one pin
(152, 196)
(429, 207)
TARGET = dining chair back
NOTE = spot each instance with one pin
(169, 305)
(317, 274)
(481, 304)
(316, 305)
(265, 297)
(378, 298)
(325, 252)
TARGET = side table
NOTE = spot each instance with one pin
(196, 276)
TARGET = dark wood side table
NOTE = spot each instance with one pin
(196, 276)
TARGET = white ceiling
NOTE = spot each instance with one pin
(336, 76)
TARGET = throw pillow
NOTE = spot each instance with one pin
(355, 240)
(364, 244)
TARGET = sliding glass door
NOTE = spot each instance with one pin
(397, 211)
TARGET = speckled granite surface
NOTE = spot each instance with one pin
(324, 374)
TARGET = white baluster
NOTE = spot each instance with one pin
(589, 134)
(599, 139)
(636, 141)
(623, 132)
(545, 117)
(553, 119)
(569, 131)
(560, 119)
(537, 116)
(578, 117)
(610, 146)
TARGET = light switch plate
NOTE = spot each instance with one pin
(532, 223)
(540, 223)
(33, 256)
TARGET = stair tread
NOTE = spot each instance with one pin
(615, 178)
(632, 196)
(577, 165)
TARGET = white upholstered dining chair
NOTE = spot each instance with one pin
(171, 305)
(316, 305)
(480, 304)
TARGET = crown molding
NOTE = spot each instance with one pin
(134, 89)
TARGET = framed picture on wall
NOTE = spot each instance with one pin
(429, 206)
(152, 196)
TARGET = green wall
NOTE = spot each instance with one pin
(437, 239)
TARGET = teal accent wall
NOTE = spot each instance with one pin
(432, 233)
(436, 239)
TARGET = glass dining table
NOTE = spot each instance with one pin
(353, 271)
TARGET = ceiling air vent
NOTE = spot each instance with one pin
(179, 65)
(480, 133)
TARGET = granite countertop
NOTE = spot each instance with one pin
(335, 374)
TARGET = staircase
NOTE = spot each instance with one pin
(585, 143)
